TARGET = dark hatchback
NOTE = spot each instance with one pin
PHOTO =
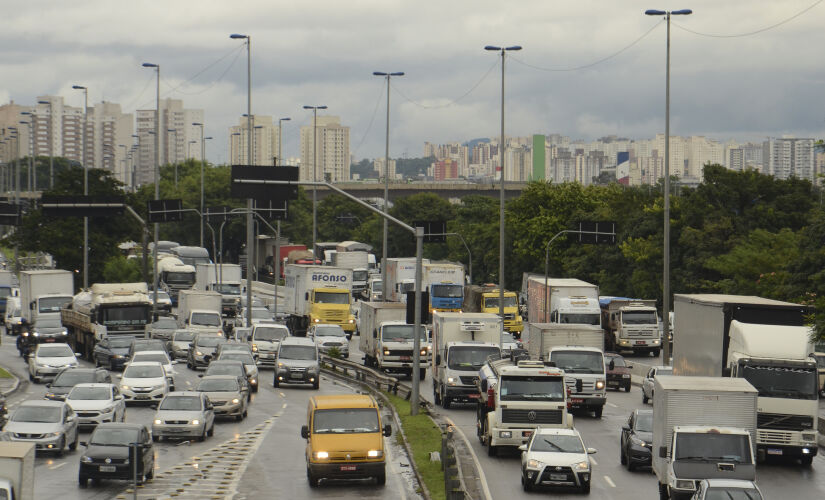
(637, 439)
(112, 352)
(108, 452)
(618, 371)
(69, 377)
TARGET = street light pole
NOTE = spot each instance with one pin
(502, 148)
(387, 75)
(85, 184)
(157, 187)
(314, 176)
(174, 131)
(666, 231)
(280, 144)
(203, 160)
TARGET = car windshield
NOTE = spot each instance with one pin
(224, 369)
(640, 318)
(270, 334)
(182, 403)
(345, 420)
(713, 446)
(165, 323)
(38, 414)
(70, 378)
(664, 371)
(332, 297)
(617, 361)
(103, 436)
(143, 371)
(782, 382)
(329, 331)
(52, 304)
(209, 341)
(243, 357)
(820, 358)
(644, 422)
(360, 275)
(218, 385)
(90, 393)
(401, 333)
(449, 291)
(228, 289)
(578, 361)
(563, 443)
(149, 345)
(206, 319)
(151, 356)
(48, 323)
(524, 388)
(730, 493)
(55, 351)
(305, 352)
(162, 296)
(580, 318)
(183, 336)
(116, 343)
(470, 358)
(492, 302)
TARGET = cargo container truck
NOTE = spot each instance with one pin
(387, 340)
(484, 298)
(445, 283)
(175, 276)
(630, 325)
(200, 311)
(44, 293)
(16, 470)
(562, 300)
(317, 294)
(400, 277)
(224, 279)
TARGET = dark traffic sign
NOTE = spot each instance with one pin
(82, 206)
(10, 214)
(434, 230)
(271, 209)
(165, 210)
(259, 182)
(597, 232)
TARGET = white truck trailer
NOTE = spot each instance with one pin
(562, 300)
(703, 428)
(387, 340)
(400, 278)
(462, 343)
(579, 351)
(44, 293)
(317, 294)
(765, 342)
(199, 310)
(358, 262)
(224, 279)
(16, 470)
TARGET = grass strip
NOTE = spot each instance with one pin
(427, 438)
(4, 373)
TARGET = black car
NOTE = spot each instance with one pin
(29, 337)
(107, 454)
(112, 352)
(49, 330)
(637, 439)
(138, 345)
(69, 377)
(230, 367)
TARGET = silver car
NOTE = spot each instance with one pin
(48, 359)
(647, 383)
(248, 364)
(297, 363)
(178, 346)
(97, 404)
(330, 336)
(163, 328)
(226, 395)
(184, 414)
(50, 425)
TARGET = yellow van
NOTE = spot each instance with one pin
(345, 439)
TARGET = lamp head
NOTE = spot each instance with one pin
(654, 12)
(81, 87)
(236, 36)
(150, 65)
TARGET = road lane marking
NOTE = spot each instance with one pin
(284, 405)
(282, 394)
(593, 461)
(57, 466)
(611, 405)
(609, 481)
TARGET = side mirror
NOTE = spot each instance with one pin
(70, 418)
(305, 432)
(200, 375)
(663, 452)
(48, 385)
(612, 365)
(591, 451)
(388, 430)
(175, 361)
(83, 443)
(484, 385)
(375, 334)
(625, 427)
(78, 355)
(119, 397)
(523, 447)
(629, 367)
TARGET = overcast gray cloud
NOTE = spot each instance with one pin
(324, 52)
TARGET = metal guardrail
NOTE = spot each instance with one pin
(368, 376)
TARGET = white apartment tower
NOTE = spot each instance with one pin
(789, 157)
(176, 130)
(332, 146)
(265, 139)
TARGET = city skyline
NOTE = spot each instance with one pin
(742, 88)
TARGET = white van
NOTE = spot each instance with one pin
(14, 317)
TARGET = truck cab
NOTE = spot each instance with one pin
(331, 306)
(486, 299)
(175, 276)
(360, 277)
(204, 320)
(446, 296)
(631, 324)
(395, 348)
(584, 375)
(579, 310)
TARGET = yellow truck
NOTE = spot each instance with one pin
(345, 438)
(484, 298)
(317, 295)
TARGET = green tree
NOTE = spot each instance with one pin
(119, 269)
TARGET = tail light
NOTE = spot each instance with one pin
(491, 399)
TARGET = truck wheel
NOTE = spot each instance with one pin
(492, 451)
(627, 387)
(436, 396)
(644, 397)
(445, 401)
(663, 493)
(598, 411)
(806, 460)
(82, 481)
(655, 352)
(313, 481)
(381, 478)
(422, 374)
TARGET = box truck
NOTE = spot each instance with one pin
(562, 300)
(387, 340)
(200, 310)
(16, 470)
(317, 294)
(630, 324)
(44, 293)
(485, 298)
(400, 277)
(445, 283)
(226, 280)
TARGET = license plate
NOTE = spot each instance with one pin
(141, 397)
(405, 358)
(641, 342)
(774, 451)
(577, 400)
(349, 467)
(48, 340)
(473, 396)
(107, 468)
(296, 375)
(558, 477)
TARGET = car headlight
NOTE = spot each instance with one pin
(685, 484)
(124, 387)
(600, 384)
(321, 455)
(108, 409)
(582, 466)
(281, 365)
(236, 401)
(317, 320)
(424, 351)
(637, 441)
(36, 334)
(386, 352)
(49, 394)
(254, 347)
(25, 334)
(505, 434)
(253, 380)
(158, 421)
(534, 464)
(55, 434)
(118, 356)
(64, 332)
(451, 380)
(375, 453)
(195, 422)
(351, 321)
(198, 353)
(85, 460)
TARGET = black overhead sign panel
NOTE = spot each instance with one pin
(256, 182)
(597, 232)
(165, 210)
(82, 206)
(10, 214)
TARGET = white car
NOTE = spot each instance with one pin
(48, 359)
(96, 404)
(144, 382)
(647, 383)
(740, 489)
(329, 336)
(259, 315)
(266, 340)
(162, 358)
(556, 457)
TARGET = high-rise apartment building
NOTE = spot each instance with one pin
(176, 130)
(378, 164)
(265, 139)
(789, 157)
(332, 147)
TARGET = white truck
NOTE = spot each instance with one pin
(630, 324)
(174, 276)
(387, 340)
(199, 310)
(43, 293)
(8, 282)
(462, 343)
(578, 350)
(765, 342)
(703, 428)
(515, 397)
(317, 294)
(563, 300)
(400, 278)
(224, 279)
(16, 470)
(358, 262)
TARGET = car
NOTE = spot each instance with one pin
(112, 352)
(647, 383)
(162, 358)
(49, 330)
(636, 442)
(108, 450)
(556, 457)
(96, 404)
(202, 350)
(226, 395)
(240, 333)
(233, 347)
(164, 305)
(725, 489)
(184, 414)
(509, 343)
(234, 368)
(248, 364)
(144, 382)
(330, 336)
(178, 346)
(265, 340)
(163, 328)
(297, 363)
(49, 425)
(618, 371)
(259, 315)
(70, 377)
(138, 345)
(13, 318)
(48, 359)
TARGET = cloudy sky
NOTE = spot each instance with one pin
(769, 83)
